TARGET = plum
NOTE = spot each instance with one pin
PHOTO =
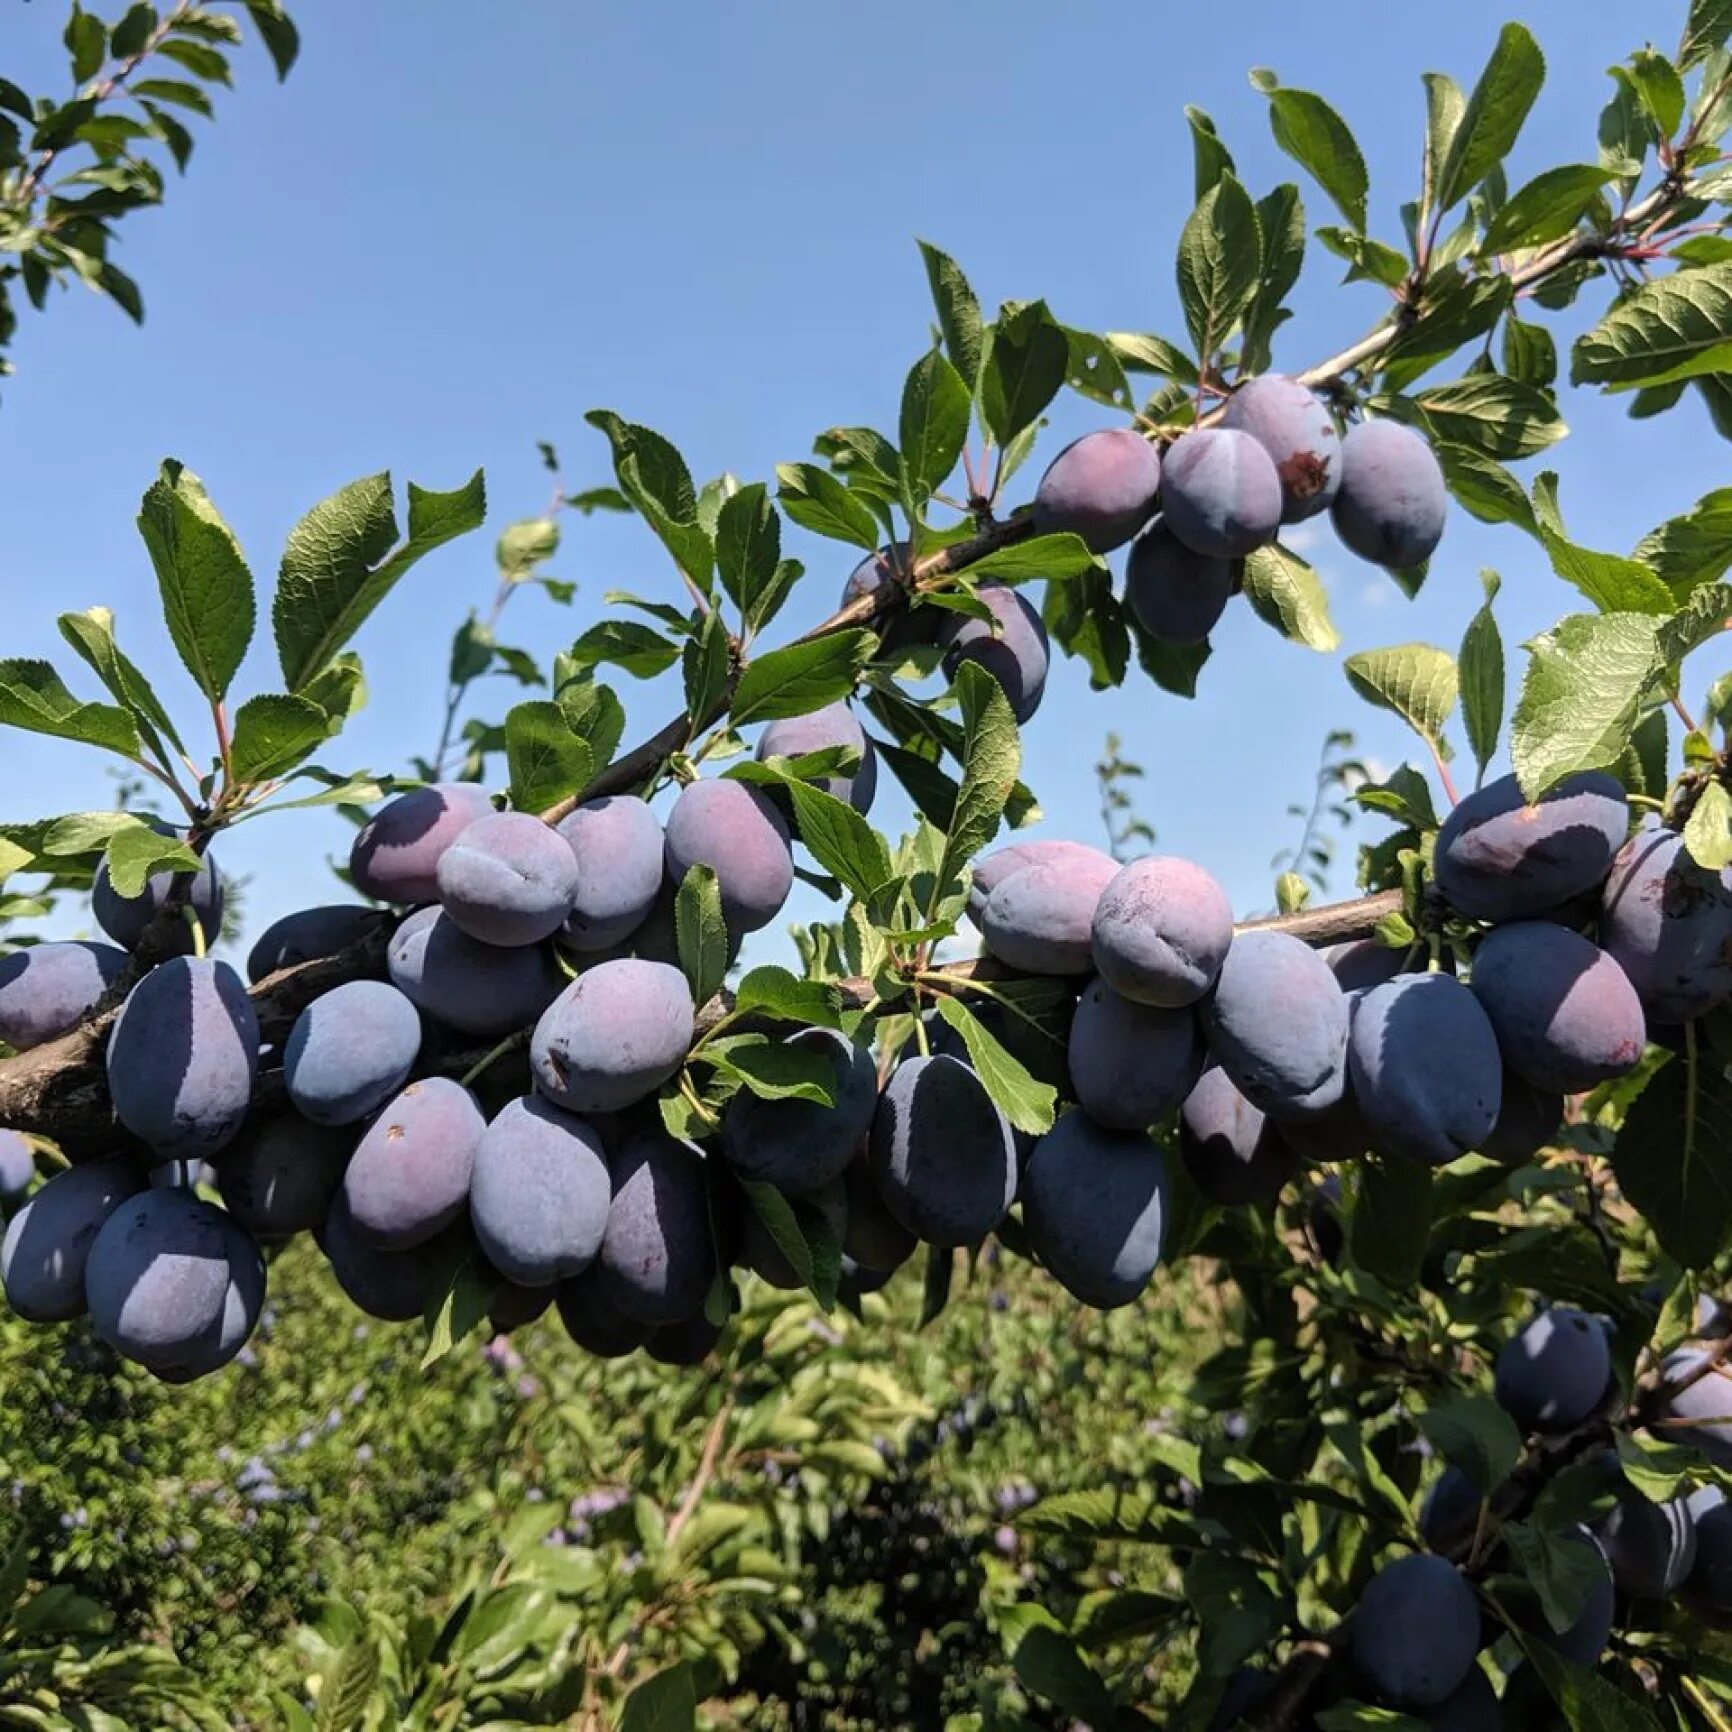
(1698, 1412)
(1527, 1121)
(593, 1321)
(1095, 1203)
(474, 988)
(395, 856)
(309, 933)
(1650, 1546)
(17, 1165)
(1160, 931)
(1040, 919)
(833, 725)
(614, 1036)
(992, 869)
(1556, 1371)
(350, 1050)
(508, 879)
(47, 1243)
(409, 1177)
(801, 1145)
(1102, 487)
(1710, 1582)
(1415, 1631)
(125, 918)
(1220, 494)
(617, 843)
(1296, 430)
(1365, 963)
(539, 1193)
(736, 829)
(1450, 1507)
(690, 1341)
(279, 1175)
(657, 1255)
(1391, 503)
(875, 1240)
(1233, 1153)
(1176, 594)
(393, 1286)
(1500, 859)
(1131, 1064)
(1012, 646)
(48, 989)
(1667, 922)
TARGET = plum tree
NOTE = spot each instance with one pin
(1391, 502)
(735, 829)
(1012, 646)
(1102, 487)
(1527, 1121)
(17, 1165)
(392, 1286)
(174, 1284)
(278, 1177)
(1220, 494)
(1500, 859)
(1650, 1546)
(1297, 432)
(539, 1193)
(1565, 1013)
(1176, 594)
(409, 1176)
(613, 1036)
(1415, 1631)
(802, 1146)
(507, 879)
(1696, 1406)
(833, 725)
(1667, 922)
(182, 1056)
(350, 1050)
(474, 988)
(47, 989)
(593, 1321)
(47, 1243)
(1277, 1024)
(1131, 1064)
(942, 1152)
(992, 869)
(657, 1255)
(1095, 1204)
(1233, 1153)
(308, 933)
(617, 842)
(125, 918)
(1160, 931)
(1425, 1068)
(1555, 1371)
(395, 856)
(873, 1239)
(1041, 917)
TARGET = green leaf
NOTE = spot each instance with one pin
(343, 559)
(524, 545)
(1484, 487)
(1529, 353)
(1048, 558)
(278, 33)
(1444, 106)
(773, 991)
(1589, 1702)
(1322, 143)
(1051, 1665)
(1660, 89)
(1093, 370)
(1210, 157)
(1237, 1611)
(1708, 834)
(1494, 114)
(86, 41)
(958, 312)
(1026, 1102)
(1141, 353)
(595, 715)
(1487, 412)
(1481, 673)
(1705, 30)
(777, 1070)
(991, 758)
(1585, 679)
(1281, 225)
(1473, 1433)
(546, 758)
(1389, 1223)
(748, 548)
(1351, 1716)
(1415, 680)
(459, 1310)
(1701, 619)
(206, 589)
(1286, 592)
(1546, 209)
(1675, 327)
(1117, 1513)
(933, 425)
(654, 477)
(700, 933)
(346, 1688)
(33, 697)
(665, 1702)
(705, 666)
(139, 851)
(801, 1233)
(802, 677)
(1612, 583)
(817, 501)
(839, 838)
(627, 643)
(1694, 547)
(273, 733)
(1087, 621)
(1220, 261)
(1673, 1157)
(1024, 366)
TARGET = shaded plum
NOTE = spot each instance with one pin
(1337, 1132)
(350, 1050)
(1246, 1689)
(1555, 1372)
(1585, 1640)
(508, 879)
(942, 1152)
(992, 869)
(1095, 1204)
(42, 1258)
(736, 829)
(1650, 1546)
(1232, 1152)
(1277, 1024)
(657, 1255)
(1667, 922)
(1161, 930)
(1450, 1508)
(1131, 1064)
(1473, 1707)
(474, 988)
(1425, 1066)
(758, 1250)
(124, 918)
(1415, 1631)
(1176, 594)
(174, 1284)
(17, 1165)
(309, 933)
(617, 843)
(395, 856)
(1040, 919)
(409, 1176)
(539, 1193)
(801, 1146)
(1500, 859)
(393, 1286)
(1364, 963)
(513, 1307)
(1012, 646)
(182, 1056)
(46, 989)
(1391, 505)
(1220, 494)
(1565, 1013)
(834, 725)
(1527, 1121)
(279, 1175)
(1102, 487)
(594, 1322)
(613, 1037)
(1710, 1583)
(690, 1341)
(875, 1240)
(1293, 427)
(1697, 1412)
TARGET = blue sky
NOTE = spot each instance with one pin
(457, 228)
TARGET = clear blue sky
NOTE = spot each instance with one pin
(456, 228)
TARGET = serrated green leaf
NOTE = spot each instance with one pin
(1286, 592)
(1389, 1220)
(1659, 88)
(91, 634)
(1673, 1157)
(1493, 116)
(546, 758)
(654, 477)
(801, 1233)
(1708, 832)
(1322, 143)
(1611, 582)
(1087, 621)
(958, 312)
(1143, 353)
(700, 933)
(346, 1689)
(839, 838)
(934, 423)
(137, 851)
(33, 697)
(1050, 1664)
(1529, 353)
(1481, 674)
(639, 649)
(1022, 370)
(817, 501)
(1042, 558)
(1694, 547)
(458, 1309)
(665, 1702)
(773, 991)
(1025, 1101)
(1093, 370)
(1220, 262)
(1415, 680)
(1706, 29)
(1675, 327)
(802, 677)
(704, 663)
(1473, 1433)
(1491, 413)
(1484, 487)
(748, 548)
(991, 759)
(1547, 208)
(273, 733)
(524, 545)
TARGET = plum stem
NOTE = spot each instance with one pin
(196, 926)
(510, 1044)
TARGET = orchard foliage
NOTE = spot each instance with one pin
(551, 1096)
